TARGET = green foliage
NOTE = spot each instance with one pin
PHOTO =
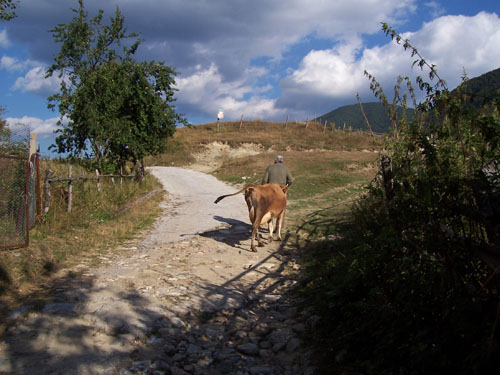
(10, 145)
(7, 9)
(118, 108)
(412, 288)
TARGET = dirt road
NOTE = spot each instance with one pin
(186, 298)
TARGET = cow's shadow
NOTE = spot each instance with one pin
(234, 233)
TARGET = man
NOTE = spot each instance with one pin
(277, 173)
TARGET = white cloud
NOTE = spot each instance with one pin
(35, 82)
(44, 128)
(12, 64)
(4, 40)
(206, 92)
(435, 8)
(452, 43)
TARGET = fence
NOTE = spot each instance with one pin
(70, 180)
(18, 199)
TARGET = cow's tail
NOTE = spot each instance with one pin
(228, 195)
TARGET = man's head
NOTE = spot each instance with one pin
(278, 159)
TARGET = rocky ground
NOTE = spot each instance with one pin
(186, 298)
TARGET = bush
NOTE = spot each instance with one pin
(413, 287)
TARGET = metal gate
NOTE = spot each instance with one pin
(15, 175)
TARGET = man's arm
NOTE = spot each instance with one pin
(289, 178)
(265, 179)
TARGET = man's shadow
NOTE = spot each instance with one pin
(233, 234)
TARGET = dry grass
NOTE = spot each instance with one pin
(278, 137)
(64, 239)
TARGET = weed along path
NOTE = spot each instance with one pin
(188, 297)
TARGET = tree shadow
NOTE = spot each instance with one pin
(138, 332)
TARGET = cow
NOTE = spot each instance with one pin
(265, 203)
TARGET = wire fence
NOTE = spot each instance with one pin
(19, 191)
(14, 213)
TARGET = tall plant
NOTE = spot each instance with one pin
(416, 288)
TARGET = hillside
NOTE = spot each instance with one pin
(351, 115)
(481, 88)
(190, 144)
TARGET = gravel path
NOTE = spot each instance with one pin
(187, 298)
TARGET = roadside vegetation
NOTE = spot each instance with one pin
(61, 239)
(408, 282)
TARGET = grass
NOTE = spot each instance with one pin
(64, 239)
(272, 136)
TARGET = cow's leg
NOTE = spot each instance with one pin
(255, 229)
(281, 219)
(267, 218)
(255, 233)
(271, 230)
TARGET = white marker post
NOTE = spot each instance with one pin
(220, 116)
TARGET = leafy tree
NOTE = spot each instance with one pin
(7, 9)
(113, 105)
(8, 145)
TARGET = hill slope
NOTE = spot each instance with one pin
(351, 115)
(481, 88)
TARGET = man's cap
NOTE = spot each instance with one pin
(279, 158)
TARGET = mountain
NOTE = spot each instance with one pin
(351, 115)
(481, 89)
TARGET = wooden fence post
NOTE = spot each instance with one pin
(46, 191)
(307, 122)
(98, 180)
(324, 127)
(241, 121)
(286, 121)
(70, 189)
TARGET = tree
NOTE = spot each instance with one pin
(119, 109)
(7, 9)
(9, 144)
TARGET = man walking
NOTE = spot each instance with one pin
(277, 173)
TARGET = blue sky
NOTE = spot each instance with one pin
(265, 59)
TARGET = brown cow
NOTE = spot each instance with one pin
(265, 202)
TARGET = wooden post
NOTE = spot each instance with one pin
(37, 187)
(46, 191)
(307, 122)
(98, 180)
(241, 121)
(84, 180)
(364, 115)
(121, 176)
(324, 127)
(70, 188)
(33, 144)
(286, 121)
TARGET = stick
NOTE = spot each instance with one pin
(46, 191)
(70, 189)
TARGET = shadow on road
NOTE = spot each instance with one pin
(143, 336)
